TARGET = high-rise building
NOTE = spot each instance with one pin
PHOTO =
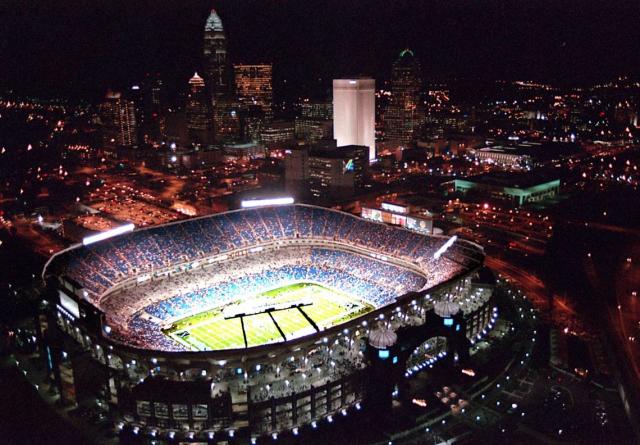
(154, 96)
(278, 132)
(226, 115)
(316, 110)
(354, 120)
(149, 102)
(118, 118)
(337, 173)
(315, 121)
(199, 117)
(215, 56)
(312, 130)
(404, 114)
(226, 119)
(254, 86)
(252, 121)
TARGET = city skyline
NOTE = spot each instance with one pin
(566, 42)
(285, 222)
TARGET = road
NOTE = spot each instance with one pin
(562, 314)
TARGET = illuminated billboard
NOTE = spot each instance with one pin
(419, 224)
(414, 223)
(372, 214)
(395, 208)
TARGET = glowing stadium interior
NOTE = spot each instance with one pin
(290, 358)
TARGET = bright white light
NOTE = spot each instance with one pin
(446, 246)
(108, 234)
(266, 202)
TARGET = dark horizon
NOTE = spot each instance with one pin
(79, 49)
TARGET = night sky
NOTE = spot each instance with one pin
(80, 48)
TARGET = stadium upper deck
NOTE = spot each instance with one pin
(101, 266)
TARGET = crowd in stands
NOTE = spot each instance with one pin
(138, 312)
(141, 311)
(100, 266)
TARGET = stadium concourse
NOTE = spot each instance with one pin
(255, 321)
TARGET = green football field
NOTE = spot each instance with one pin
(273, 316)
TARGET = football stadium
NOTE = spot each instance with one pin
(256, 322)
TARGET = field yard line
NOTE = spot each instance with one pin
(329, 305)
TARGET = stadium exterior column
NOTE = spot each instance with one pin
(274, 419)
(294, 409)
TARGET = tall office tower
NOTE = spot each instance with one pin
(199, 117)
(154, 95)
(118, 118)
(149, 101)
(154, 104)
(215, 57)
(354, 105)
(404, 113)
(226, 119)
(254, 86)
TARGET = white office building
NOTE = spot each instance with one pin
(354, 120)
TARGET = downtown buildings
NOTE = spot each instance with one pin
(226, 119)
(215, 57)
(404, 114)
(118, 121)
(354, 121)
(254, 86)
(198, 111)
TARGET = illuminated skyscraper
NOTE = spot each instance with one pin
(149, 101)
(118, 118)
(226, 119)
(404, 114)
(199, 116)
(354, 120)
(254, 86)
(215, 56)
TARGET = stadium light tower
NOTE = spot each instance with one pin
(108, 234)
(250, 203)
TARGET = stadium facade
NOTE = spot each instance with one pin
(109, 306)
